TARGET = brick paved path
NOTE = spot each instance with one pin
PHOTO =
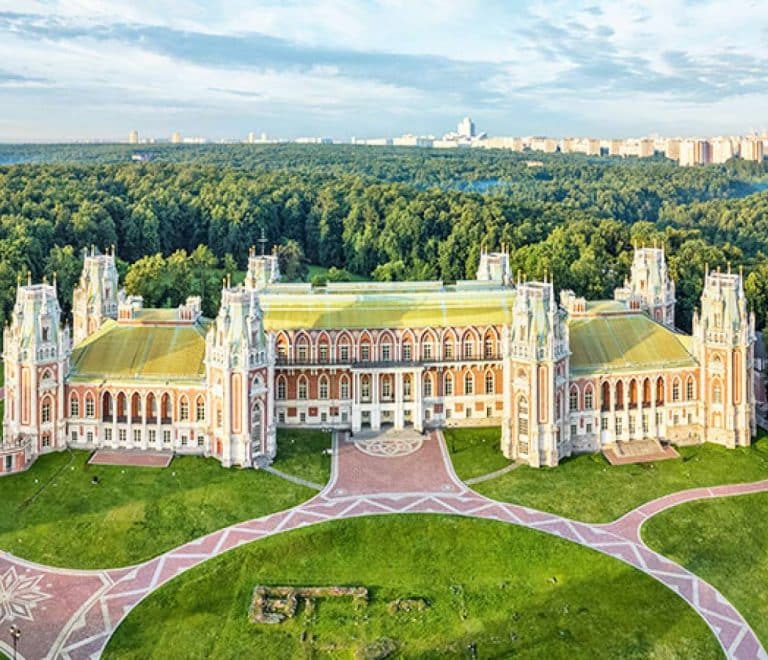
(72, 614)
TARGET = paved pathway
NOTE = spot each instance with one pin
(492, 475)
(293, 479)
(72, 614)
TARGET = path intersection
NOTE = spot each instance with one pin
(72, 614)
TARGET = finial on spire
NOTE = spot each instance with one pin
(29, 278)
(18, 279)
(45, 279)
(262, 241)
(729, 267)
(229, 280)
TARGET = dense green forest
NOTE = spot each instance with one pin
(386, 213)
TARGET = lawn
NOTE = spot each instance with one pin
(500, 589)
(301, 453)
(724, 541)
(475, 451)
(54, 515)
(588, 488)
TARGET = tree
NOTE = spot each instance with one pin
(65, 266)
(756, 288)
(293, 266)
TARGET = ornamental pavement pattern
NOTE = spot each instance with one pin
(72, 614)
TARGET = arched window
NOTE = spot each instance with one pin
(302, 349)
(606, 396)
(490, 385)
(522, 415)
(659, 391)
(647, 392)
(717, 392)
(589, 398)
(302, 388)
(45, 411)
(344, 351)
(407, 349)
(620, 394)
(200, 409)
(469, 347)
(90, 406)
(573, 399)
(281, 388)
(489, 346)
(386, 351)
(448, 348)
(151, 408)
(469, 383)
(386, 387)
(106, 407)
(74, 406)
(690, 389)
(323, 388)
(165, 409)
(407, 387)
(135, 407)
(344, 387)
(448, 384)
(184, 409)
(365, 387)
(633, 393)
(676, 389)
(427, 385)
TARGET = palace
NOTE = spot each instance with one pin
(558, 378)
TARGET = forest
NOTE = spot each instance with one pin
(186, 215)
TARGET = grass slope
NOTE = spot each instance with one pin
(475, 451)
(588, 488)
(54, 515)
(724, 541)
(504, 589)
(301, 452)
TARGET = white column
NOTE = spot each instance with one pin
(375, 409)
(418, 413)
(399, 420)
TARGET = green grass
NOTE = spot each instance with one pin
(300, 453)
(588, 488)
(487, 584)
(54, 515)
(724, 541)
(475, 451)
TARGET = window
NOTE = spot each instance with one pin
(522, 416)
(184, 410)
(448, 413)
(488, 411)
(365, 388)
(89, 437)
(323, 353)
(645, 423)
(200, 412)
(45, 412)
(108, 435)
(659, 418)
(122, 435)
(200, 440)
(73, 435)
(689, 390)
(448, 350)
(717, 393)
(183, 439)
(573, 399)
(406, 352)
(302, 357)
(604, 424)
(323, 417)
(573, 429)
(281, 388)
(89, 407)
(166, 437)
(74, 407)
(676, 391)
(489, 384)
(386, 352)
(469, 383)
(45, 333)
(386, 387)
(406, 388)
(448, 384)
(468, 412)
(426, 351)
(152, 436)
(303, 418)
(46, 440)
(631, 425)
(281, 417)
(323, 388)
(589, 399)
(344, 388)
(427, 386)
(468, 349)
(302, 389)
(488, 347)
(676, 419)
(344, 352)
(589, 428)
(136, 436)
(219, 418)
(619, 426)
(365, 352)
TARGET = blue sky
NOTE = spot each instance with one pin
(96, 69)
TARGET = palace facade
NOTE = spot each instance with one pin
(558, 377)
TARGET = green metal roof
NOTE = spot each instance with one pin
(403, 308)
(141, 352)
(629, 342)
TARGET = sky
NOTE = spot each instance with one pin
(96, 69)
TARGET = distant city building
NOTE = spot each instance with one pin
(723, 149)
(694, 152)
(176, 138)
(466, 128)
(133, 137)
(751, 148)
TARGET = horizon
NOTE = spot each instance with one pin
(79, 72)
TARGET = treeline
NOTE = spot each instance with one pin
(387, 214)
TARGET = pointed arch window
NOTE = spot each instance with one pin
(184, 409)
(281, 389)
(90, 407)
(690, 389)
(589, 399)
(448, 384)
(676, 390)
(427, 385)
(200, 409)
(323, 388)
(344, 387)
(469, 383)
(490, 385)
(573, 399)
(302, 388)
(45, 411)
(74, 406)
(717, 392)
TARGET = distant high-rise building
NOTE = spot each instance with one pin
(466, 128)
(722, 149)
(751, 148)
(133, 137)
(176, 138)
(695, 152)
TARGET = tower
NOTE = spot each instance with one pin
(723, 343)
(36, 356)
(263, 270)
(535, 359)
(649, 286)
(239, 362)
(95, 298)
(494, 267)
